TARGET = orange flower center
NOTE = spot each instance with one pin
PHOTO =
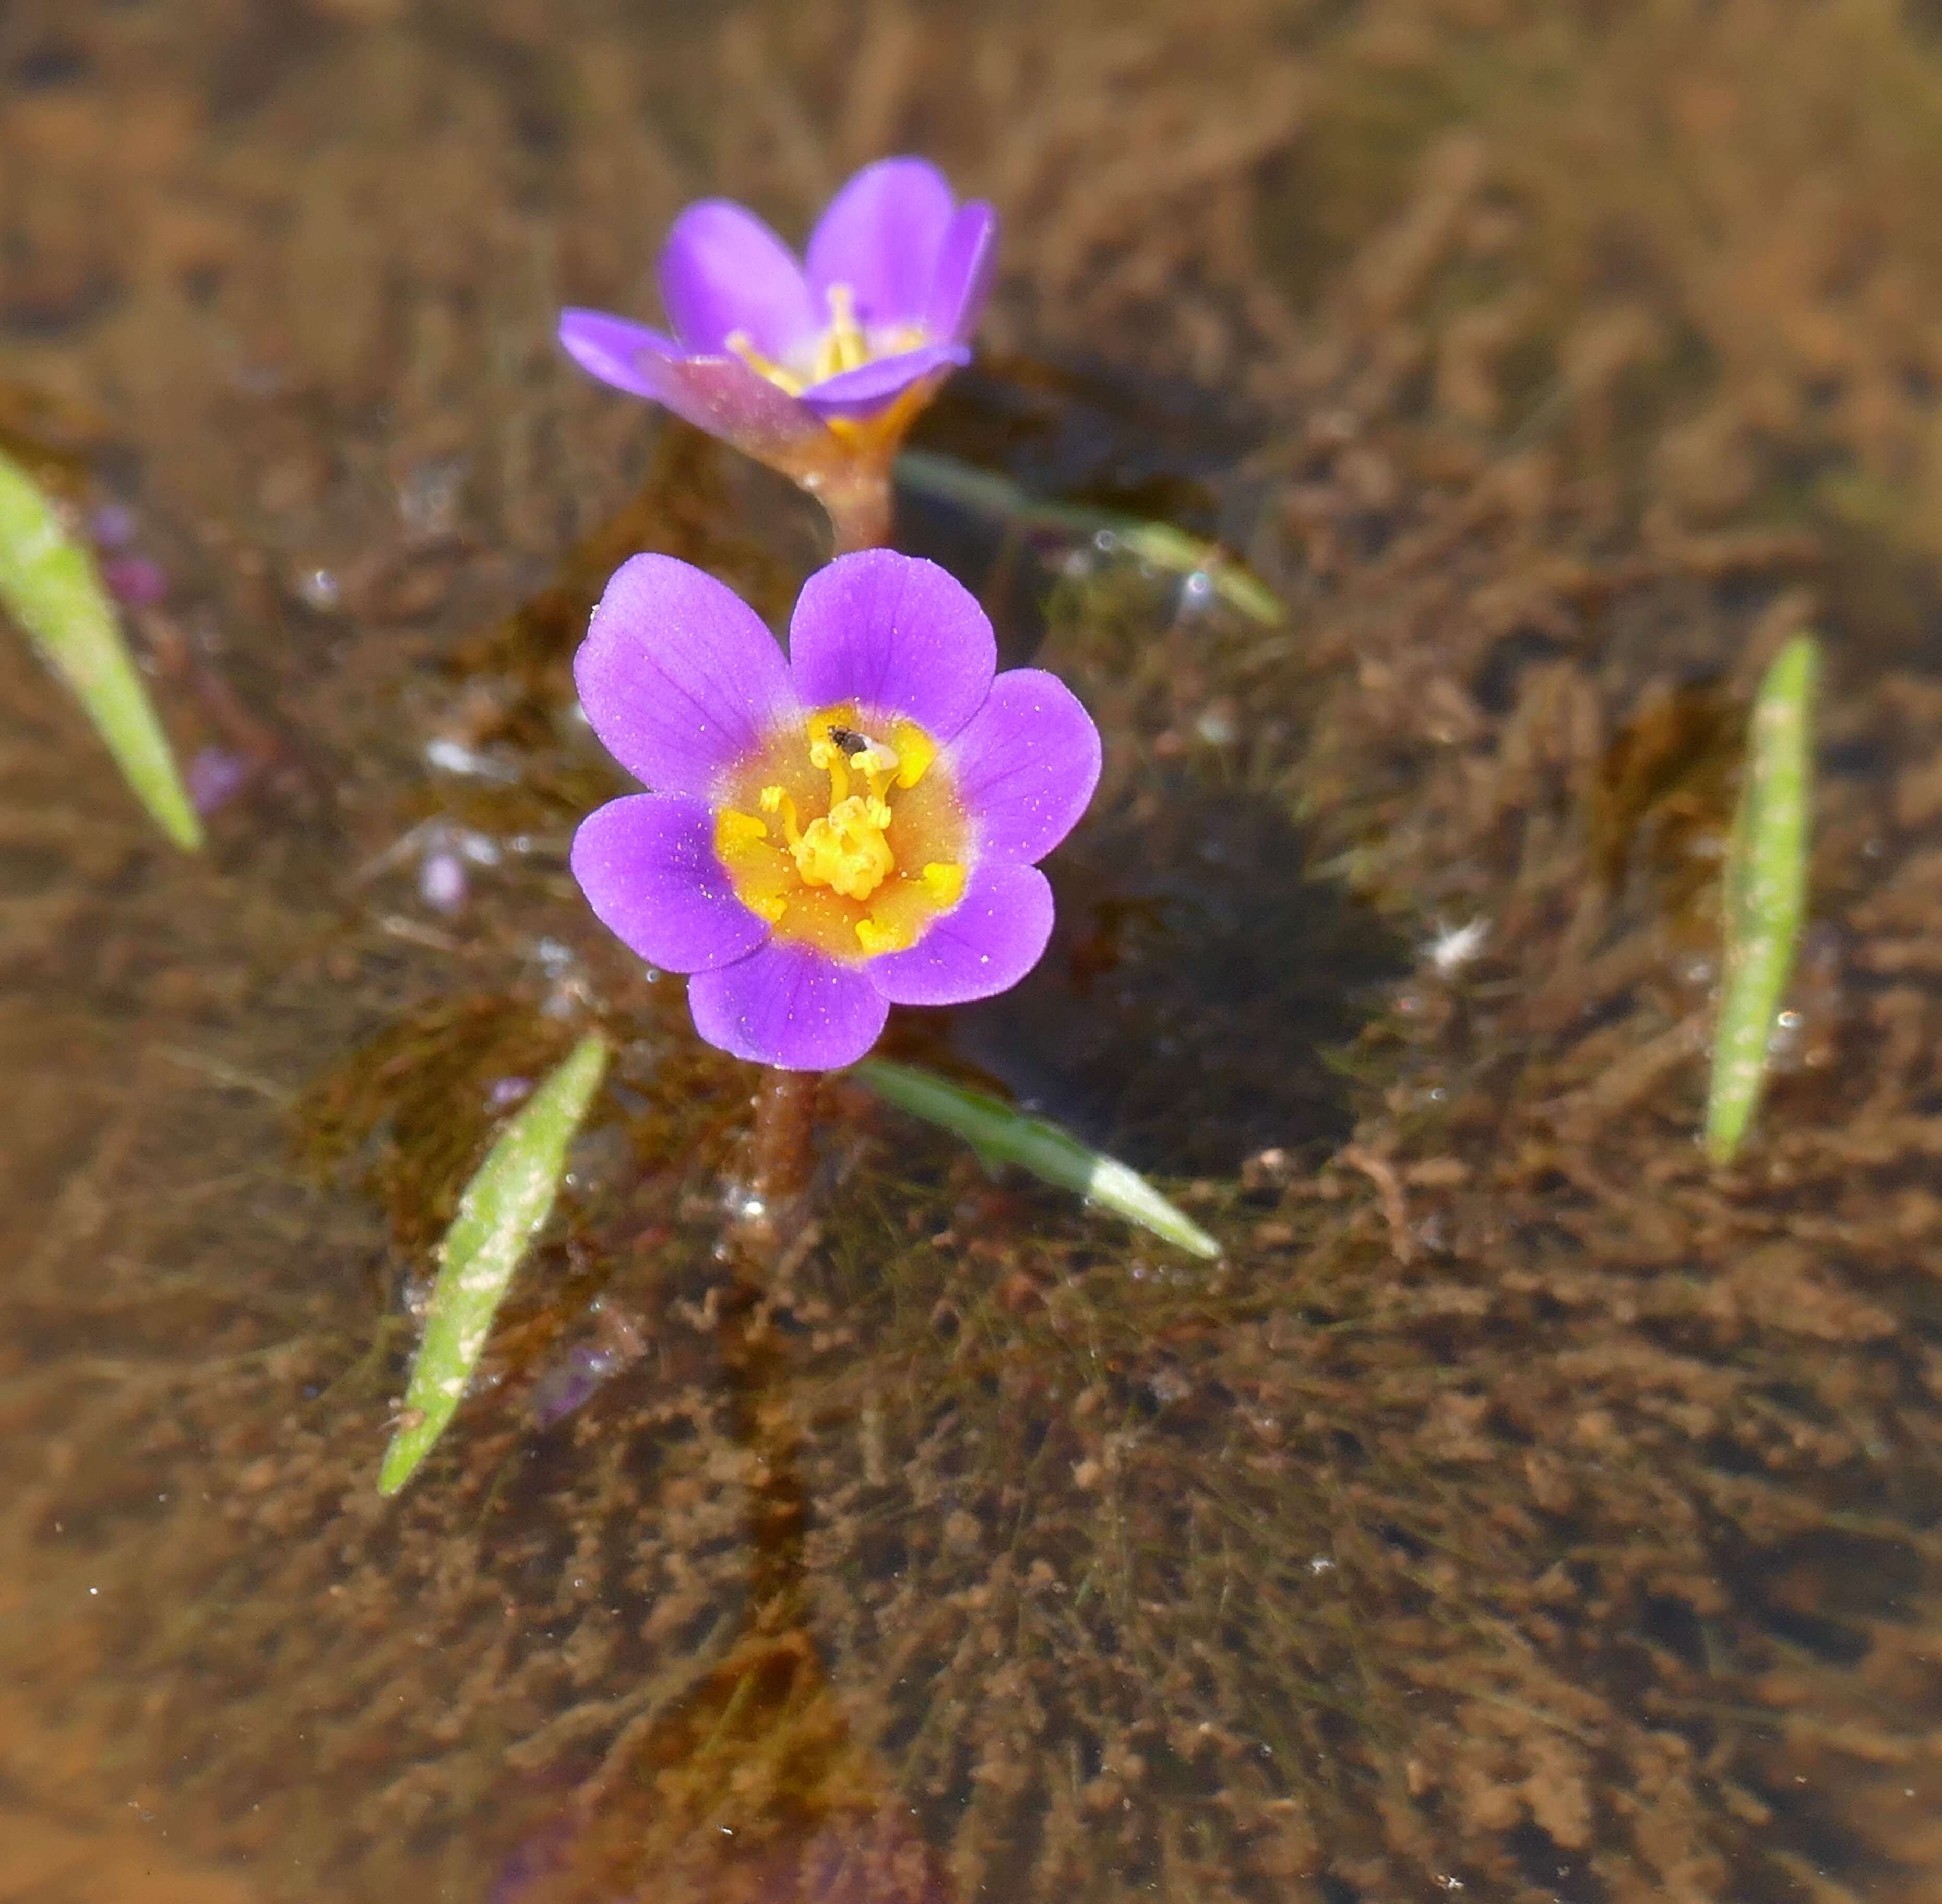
(844, 834)
(844, 345)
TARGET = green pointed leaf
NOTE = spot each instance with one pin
(995, 1130)
(48, 584)
(1160, 544)
(509, 1198)
(1766, 890)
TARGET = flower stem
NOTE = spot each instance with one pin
(861, 510)
(764, 1424)
(860, 506)
(782, 1149)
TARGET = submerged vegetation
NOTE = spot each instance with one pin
(1000, 1133)
(1763, 892)
(505, 1205)
(1520, 1502)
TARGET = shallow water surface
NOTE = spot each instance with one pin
(1520, 1510)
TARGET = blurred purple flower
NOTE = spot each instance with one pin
(802, 366)
(443, 884)
(852, 827)
(112, 525)
(215, 777)
(135, 580)
(571, 1383)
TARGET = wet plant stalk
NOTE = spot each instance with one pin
(860, 508)
(753, 1365)
(860, 504)
(783, 1144)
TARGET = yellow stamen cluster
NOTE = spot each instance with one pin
(835, 880)
(843, 344)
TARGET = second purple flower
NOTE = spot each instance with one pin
(804, 363)
(855, 826)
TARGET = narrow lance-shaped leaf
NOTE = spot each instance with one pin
(49, 586)
(508, 1199)
(1764, 890)
(1000, 1134)
(1160, 544)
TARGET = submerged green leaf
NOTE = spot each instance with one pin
(998, 1133)
(1765, 889)
(508, 1199)
(49, 586)
(1165, 547)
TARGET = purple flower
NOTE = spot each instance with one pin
(216, 776)
(849, 827)
(803, 365)
(135, 580)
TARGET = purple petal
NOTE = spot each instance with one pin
(719, 394)
(872, 386)
(626, 355)
(1026, 765)
(722, 270)
(881, 235)
(724, 396)
(789, 1006)
(995, 936)
(963, 280)
(679, 676)
(896, 635)
(647, 864)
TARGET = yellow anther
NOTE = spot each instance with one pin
(945, 882)
(846, 850)
(915, 750)
(830, 866)
(876, 759)
(825, 754)
(844, 343)
(739, 342)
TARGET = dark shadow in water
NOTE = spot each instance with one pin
(1087, 432)
(1197, 982)
(1071, 434)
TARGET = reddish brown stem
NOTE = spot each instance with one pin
(861, 509)
(785, 1126)
(860, 506)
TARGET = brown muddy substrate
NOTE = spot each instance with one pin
(1520, 1505)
